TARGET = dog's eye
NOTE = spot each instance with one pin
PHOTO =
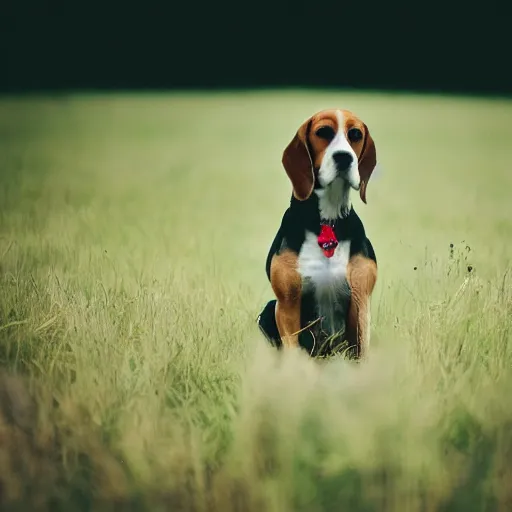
(326, 133)
(354, 135)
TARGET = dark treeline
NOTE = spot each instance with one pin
(378, 45)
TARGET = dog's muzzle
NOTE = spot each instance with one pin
(346, 168)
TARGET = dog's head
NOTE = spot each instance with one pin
(330, 144)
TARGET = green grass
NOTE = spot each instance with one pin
(133, 236)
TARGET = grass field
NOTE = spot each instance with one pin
(133, 236)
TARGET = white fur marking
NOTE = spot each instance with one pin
(334, 200)
(327, 278)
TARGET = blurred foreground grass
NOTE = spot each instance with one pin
(133, 236)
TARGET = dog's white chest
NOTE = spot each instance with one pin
(318, 270)
(327, 278)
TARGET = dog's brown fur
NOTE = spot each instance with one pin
(287, 285)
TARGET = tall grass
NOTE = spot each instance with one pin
(133, 235)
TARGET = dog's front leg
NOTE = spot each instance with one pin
(288, 323)
(287, 285)
(362, 275)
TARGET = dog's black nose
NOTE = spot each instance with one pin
(343, 159)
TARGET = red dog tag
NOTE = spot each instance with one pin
(327, 240)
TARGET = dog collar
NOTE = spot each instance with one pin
(327, 238)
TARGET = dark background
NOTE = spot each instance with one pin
(365, 45)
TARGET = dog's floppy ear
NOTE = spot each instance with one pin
(367, 162)
(298, 164)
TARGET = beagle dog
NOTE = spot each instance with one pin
(321, 266)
